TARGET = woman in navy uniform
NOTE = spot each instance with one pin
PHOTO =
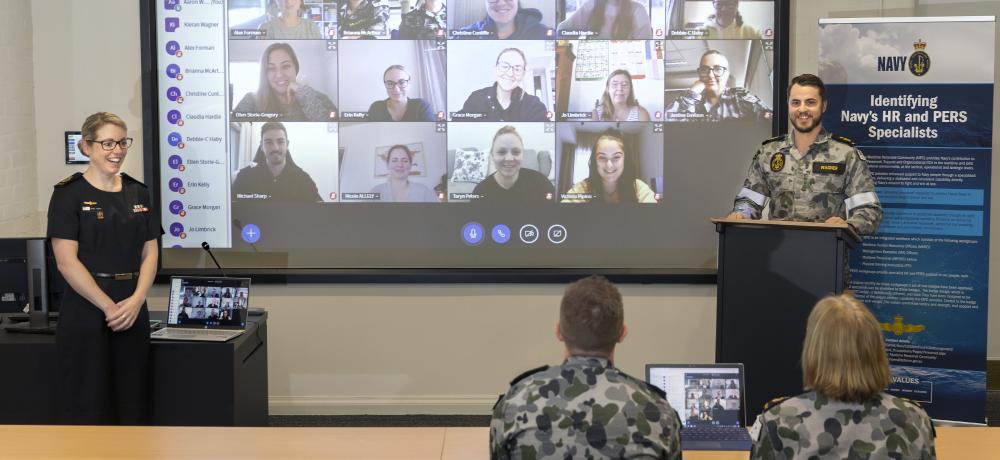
(104, 235)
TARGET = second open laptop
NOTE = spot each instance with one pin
(709, 398)
(206, 308)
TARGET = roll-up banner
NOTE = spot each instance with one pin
(916, 96)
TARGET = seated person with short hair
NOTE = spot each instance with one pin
(585, 407)
(844, 371)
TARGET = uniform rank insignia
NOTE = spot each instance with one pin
(777, 161)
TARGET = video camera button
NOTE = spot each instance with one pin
(528, 234)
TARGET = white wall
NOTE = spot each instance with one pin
(393, 348)
(450, 349)
(18, 162)
(72, 47)
(361, 139)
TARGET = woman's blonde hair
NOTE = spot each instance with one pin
(97, 121)
(843, 356)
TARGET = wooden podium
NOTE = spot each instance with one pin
(771, 273)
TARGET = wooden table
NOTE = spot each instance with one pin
(34, 442)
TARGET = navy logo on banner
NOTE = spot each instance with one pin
(920, 61)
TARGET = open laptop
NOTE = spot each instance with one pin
(212, 309)
(709, 398)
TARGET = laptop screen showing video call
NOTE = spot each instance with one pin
(702, 396)
(208, 302)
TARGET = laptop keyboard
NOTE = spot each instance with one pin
(200, 332)
(181, 333)
(715, 433)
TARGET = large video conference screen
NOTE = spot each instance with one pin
(382, 134)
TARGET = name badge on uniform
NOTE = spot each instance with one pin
(89, 206)
(829, 168)
(777, 161)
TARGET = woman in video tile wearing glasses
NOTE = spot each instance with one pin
(618, 102)
(712, 99)
(290, 25)
(612, 175)
(845, 412)
(104, 235)
(504, 100)
(280, 92)
(399, 107)
(507, 20)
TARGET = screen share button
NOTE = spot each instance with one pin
(557, 234)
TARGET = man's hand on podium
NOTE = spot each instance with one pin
(736, 215)
(836, 220)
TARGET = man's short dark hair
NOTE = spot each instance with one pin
(272, 125)
(591, 316)
(808, 79)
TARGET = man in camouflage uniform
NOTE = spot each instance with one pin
(363, 18)
(709, 99)
(810, 175)
(812, 426)
(428, 21)
(585, 407)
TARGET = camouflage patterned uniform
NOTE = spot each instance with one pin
(809, 426)
(734, 103)
(831, 179)
(422, 24)
(584, 408)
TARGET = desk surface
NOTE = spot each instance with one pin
(72, 442)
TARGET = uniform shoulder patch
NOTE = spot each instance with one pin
(773, 139)
(131, 180)
(69, 179)
(842, 140)
(774, 402)
(527, 374)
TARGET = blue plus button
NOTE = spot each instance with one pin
(473, 233)
(250, 233)
(500, 234)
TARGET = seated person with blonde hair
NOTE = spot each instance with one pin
(844, 371)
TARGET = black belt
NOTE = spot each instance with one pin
(116, 276)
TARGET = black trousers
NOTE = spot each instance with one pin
(103, 375)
